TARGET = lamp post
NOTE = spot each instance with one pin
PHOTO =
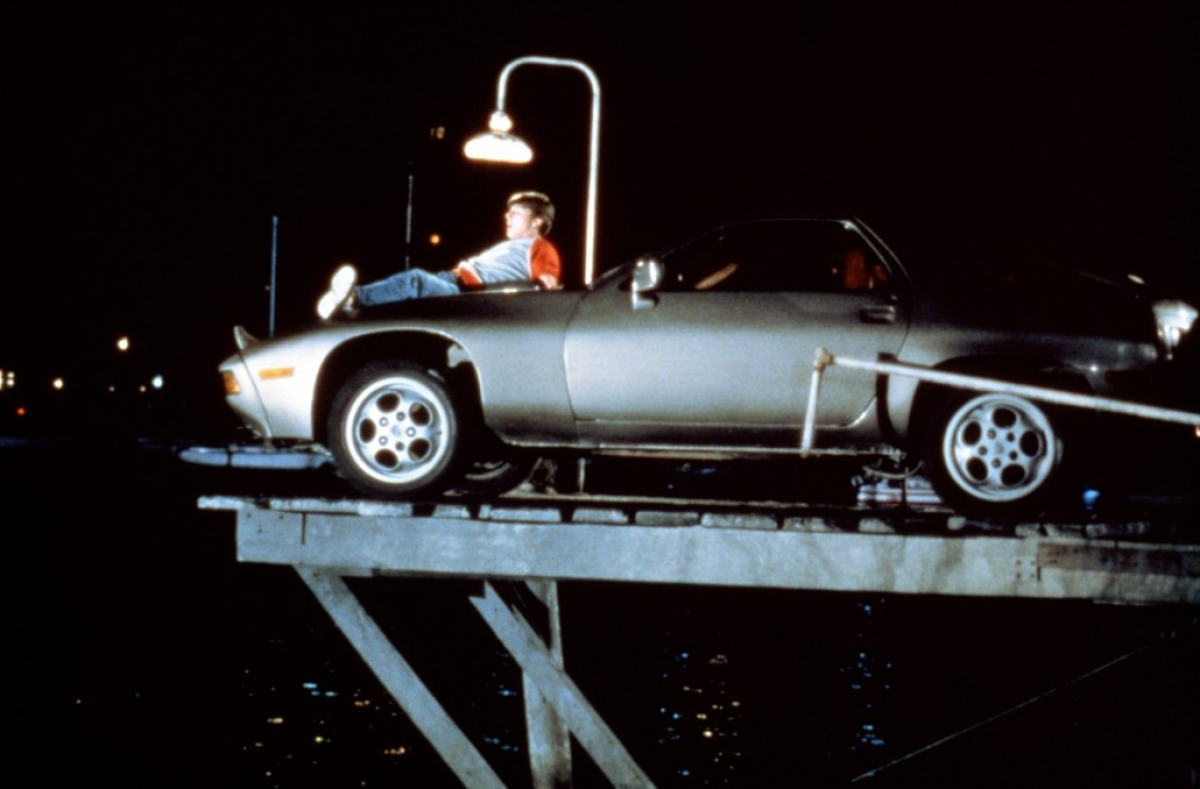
(498, 144)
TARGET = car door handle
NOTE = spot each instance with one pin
(878, 313)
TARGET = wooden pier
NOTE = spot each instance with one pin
(542, 540)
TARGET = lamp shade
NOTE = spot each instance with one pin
(498, 147)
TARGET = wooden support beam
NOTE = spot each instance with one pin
(785, 558)
(400, 680)
(560, 692)
(547, 735)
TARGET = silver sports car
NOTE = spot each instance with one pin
(707, 350)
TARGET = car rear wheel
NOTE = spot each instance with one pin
(394, 430)
(992, 453)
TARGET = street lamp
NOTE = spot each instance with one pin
(498, 144)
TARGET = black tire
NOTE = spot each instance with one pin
(993, 453)
(493, 477)
(394, 430)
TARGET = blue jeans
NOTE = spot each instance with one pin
(412, 284)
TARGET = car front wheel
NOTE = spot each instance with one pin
(393, 430)
(492, 477)
(992, 453)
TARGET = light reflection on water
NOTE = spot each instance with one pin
(698, 719)
(704, 694)
(867, 679)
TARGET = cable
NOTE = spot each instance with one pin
(1028, 702)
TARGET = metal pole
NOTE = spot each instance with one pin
(822, 360)
(589, 265)
(408, 216)
(274, 249)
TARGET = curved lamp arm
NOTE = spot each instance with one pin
(498, 144)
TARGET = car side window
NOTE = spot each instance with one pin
(818, 256)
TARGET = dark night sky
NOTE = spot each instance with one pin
(147, 149)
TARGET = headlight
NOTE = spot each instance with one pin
(1174, 319)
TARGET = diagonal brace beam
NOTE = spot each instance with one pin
(399, 678)
(560, 692)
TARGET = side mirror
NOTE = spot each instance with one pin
(647, 277)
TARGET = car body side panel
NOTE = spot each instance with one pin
(278, 379)
(515, 342)
(696, 368)
(1046, 357)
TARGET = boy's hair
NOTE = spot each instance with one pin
(539, 206)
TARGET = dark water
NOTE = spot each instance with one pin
(139, 653)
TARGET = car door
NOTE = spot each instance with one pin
(722, 352)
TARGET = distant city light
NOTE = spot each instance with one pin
(7, 379)
(438, 132)
(20, 410)
(58, 384)
(435, 239)
(157, 382)
(123, 344)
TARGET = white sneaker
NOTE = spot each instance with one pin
(340, 288)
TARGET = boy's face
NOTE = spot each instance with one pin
(519, 223)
